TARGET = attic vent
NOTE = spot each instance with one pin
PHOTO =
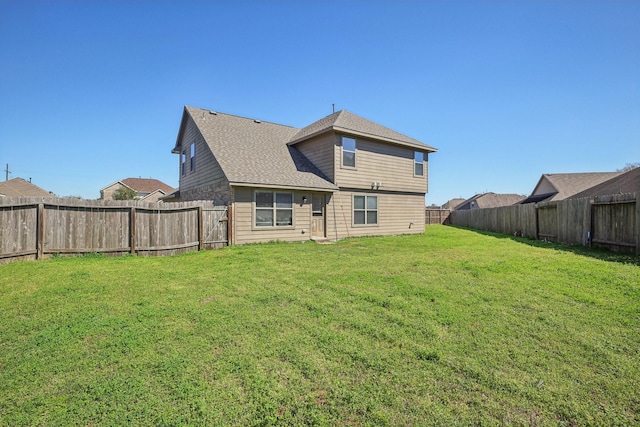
(213, 112)
(257, 121)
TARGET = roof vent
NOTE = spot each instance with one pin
(257, 121)
(213, 112)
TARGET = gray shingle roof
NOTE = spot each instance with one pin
(490, 200)
(344, 121)
(252, 152)
(568, 184)
(627, 182)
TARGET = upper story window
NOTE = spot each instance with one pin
(193, 157)
(348, 152)
(183, 163)
(418, 163)
(273, 208)
(365, 210)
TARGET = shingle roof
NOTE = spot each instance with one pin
(344, 121)
(493, 200)
(252, 152)
(147, 185)
(490, 200)
(627, 182)
(453, 203)
(568, 184)
(18, 187)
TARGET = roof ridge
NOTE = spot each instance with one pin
(239, 117)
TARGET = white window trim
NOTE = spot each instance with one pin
(365, 210)
(183, 163)
(355, 153)
(417, 163)
(192, 157)
(254, 217)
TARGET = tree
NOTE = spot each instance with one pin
(124, 193)
(628, 167)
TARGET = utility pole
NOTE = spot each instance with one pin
(6, 173)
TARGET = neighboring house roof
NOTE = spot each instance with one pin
(452, 204)
(627, 182)
(253, 153)
(346, 122)
(147, 185)
(489, 200)
(18, 187)
(143, 185)
(561, 186)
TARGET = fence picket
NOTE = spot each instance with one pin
(36, 227)
(610, 221)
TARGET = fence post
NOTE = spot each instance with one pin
(230, 236)
(132, 229)
(587, 228)
(638, 223)
(200, 228)
(591, 224)
(39, 231)
(537, 231)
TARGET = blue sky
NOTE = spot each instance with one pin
(93, 92)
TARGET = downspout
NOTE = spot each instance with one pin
(343, 215)
(335, 222)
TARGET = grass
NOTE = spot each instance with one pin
(452, 327)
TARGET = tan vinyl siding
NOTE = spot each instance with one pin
(244, 230)
(207, 169)
(398, 213)
(389, 164)
(320, 151)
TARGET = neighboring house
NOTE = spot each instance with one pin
(18, 187)
(147, 189)
(489, 200)
(452, 204)
(341, 176)
(560, 186)
(626, 182)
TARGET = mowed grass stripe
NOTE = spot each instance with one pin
(452, 327)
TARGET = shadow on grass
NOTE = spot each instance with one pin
(597, 253)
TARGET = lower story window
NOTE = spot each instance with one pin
(273, 208)
(365, 210)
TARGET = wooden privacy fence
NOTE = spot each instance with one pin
(610, 221)
(39, 228)
(436, 216)
(517, 219)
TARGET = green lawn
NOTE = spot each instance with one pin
(452, 327)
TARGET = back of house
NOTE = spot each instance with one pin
(339, 177)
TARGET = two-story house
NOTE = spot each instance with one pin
(339, 177)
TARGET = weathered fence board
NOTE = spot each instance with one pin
(215, 221)
(608, 221)
(33, 228)
(18, 235)
(436, 216)
(548, 223)
(85, 229)
(614, 222)
(517, 220)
